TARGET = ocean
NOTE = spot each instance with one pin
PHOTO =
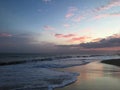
(38, 71)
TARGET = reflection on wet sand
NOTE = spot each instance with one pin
(95, 76)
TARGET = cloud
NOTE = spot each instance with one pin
(71, 11)
(74, 15)
(109, 5)
(107, 15)
(79, 39)
(18, 38)
(46, 1)
(47, 27)
(69, 15)
(101, 16)
(78, 18)
(105, 43)
(96, 40)
(25, 43)
(113, 42)
(115, 36)
(64, 36)
(5, 35)
(66, 25)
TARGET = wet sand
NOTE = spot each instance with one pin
(94, 76)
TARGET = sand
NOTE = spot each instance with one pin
(94, 76)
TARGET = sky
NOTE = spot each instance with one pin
(53, 26)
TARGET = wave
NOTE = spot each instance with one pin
(23, 61)
(26, 77)
(18, 59)
(12, 63)
(66, 82)
(40, 74)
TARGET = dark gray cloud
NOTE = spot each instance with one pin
(93, 47)
(27, 43)
(112, 42)
(22, 43)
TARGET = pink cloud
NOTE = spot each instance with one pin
(66, 25)
(100, 16)
(71, 11)
(107, 38)
(59, 35)
(109, 5)
(79, 39)
(47, 27)
(5, 35)
(69, 15)
(107, 15)
(115, 14)
(115, 36)
(78, 19)
(64, 36)
(97, 39)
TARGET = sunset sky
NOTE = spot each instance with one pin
(48, 26)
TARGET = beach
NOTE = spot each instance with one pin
(37, 72)
(94, 76)
(59, 44)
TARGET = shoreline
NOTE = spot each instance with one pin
(115, 62)
(93, 77)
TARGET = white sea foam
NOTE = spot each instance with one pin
(25, 76)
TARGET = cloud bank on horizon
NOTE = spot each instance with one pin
(47, 26)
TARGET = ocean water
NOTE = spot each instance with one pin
(37, 72)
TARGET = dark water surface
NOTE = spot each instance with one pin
(95, 76)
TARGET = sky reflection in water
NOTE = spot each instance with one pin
(95, 76)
